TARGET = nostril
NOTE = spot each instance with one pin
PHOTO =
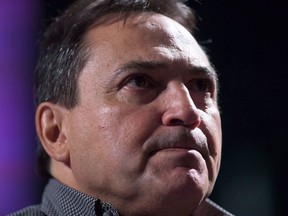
(176, 122)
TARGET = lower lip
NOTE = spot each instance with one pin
(179, 155)
(171, 150)
(175, 150)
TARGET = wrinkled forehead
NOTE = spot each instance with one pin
(147, 34)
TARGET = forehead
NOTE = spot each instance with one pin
(144, 37)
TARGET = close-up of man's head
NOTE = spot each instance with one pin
(127, 106)
(64, 50)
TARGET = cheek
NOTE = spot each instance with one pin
(87, 132)
(114, 132)
(125, 132)
(94, 151)
(212, 128)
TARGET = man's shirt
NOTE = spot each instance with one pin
(59, 199)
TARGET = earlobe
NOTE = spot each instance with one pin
(51, 131)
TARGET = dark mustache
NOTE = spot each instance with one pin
(181, 138)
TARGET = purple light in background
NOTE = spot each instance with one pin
(18, 34)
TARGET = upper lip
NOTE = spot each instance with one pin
(186, 139)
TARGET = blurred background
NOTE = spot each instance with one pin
(245, 41)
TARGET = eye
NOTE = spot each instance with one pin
(138, 81)
(201, 85)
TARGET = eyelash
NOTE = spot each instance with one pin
(197, 85)
(132, 80)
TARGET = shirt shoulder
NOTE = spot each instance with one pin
(60, 200)
(34, 210)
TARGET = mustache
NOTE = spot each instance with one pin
(179, 138)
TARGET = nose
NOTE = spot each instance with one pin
(180, 109)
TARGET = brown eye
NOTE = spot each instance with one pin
(200, 85)
(139, 82)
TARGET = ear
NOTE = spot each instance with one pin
(51, 131)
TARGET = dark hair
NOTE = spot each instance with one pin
(63, 53)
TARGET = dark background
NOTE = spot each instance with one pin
(245, 41)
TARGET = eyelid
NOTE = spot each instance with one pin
(131, 76)
(211, 84)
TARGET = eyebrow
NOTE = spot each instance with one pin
(151, 65)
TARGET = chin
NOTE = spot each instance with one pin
(179, 193)
(185, 193)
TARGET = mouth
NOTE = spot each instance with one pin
(176, 148)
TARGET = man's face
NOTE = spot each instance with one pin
(146, 134)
